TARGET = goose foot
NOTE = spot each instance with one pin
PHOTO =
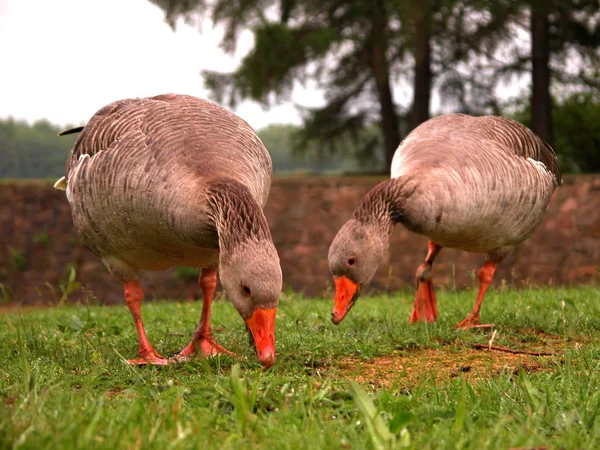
(472, 322)
(425, 309)
(149, 357)
(205, 346)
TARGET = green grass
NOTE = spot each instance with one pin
(64, 382)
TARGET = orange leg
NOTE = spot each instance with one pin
(425, 308)
(485, 275)
(146, 353)
(203, 340)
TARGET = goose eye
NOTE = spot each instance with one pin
(247, 291)
(351, 260)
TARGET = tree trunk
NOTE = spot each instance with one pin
(379, 64)
(541, 102)
(422, 81)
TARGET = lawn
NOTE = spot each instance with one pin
(372, 382)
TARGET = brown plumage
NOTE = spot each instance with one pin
(479, 184)
(175, 180)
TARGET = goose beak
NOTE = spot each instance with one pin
(262, 327)
(346, 293)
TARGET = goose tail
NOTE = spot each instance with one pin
(71, 131)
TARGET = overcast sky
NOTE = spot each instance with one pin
(64, 59)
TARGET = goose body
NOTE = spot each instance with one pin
(175, 180)
(478, 184)
(481, 183)
(148, 162)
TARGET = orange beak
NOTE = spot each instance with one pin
(346, 293)
(262, 326)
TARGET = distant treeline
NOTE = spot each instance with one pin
(35, 151)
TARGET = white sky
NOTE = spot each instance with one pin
(64, 59)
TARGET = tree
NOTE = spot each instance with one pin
(357, 52)
(565, 38)
(541, 106)
(420, 19)
(32, 151)
(344, 47)
(576, 119)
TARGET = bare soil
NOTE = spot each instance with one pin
(406, 369)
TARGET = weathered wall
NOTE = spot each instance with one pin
(39, 244)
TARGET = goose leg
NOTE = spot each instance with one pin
(425, 308)
(146, 353)
(203, 340)
(485, 275)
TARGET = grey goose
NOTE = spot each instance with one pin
(174, 180)
(478, 184)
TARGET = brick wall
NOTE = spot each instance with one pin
(39, 244)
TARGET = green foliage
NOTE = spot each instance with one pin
(41, 238)
(32, 151)
(341, 47)
(291, 151)
(358, 53)
(576, 131)
(64, 382)
(17, 259)
(282, 141)
(277, 60)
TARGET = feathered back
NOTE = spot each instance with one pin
(460, 138)
(180, 138)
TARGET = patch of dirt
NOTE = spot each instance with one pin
(412, 368)
(9, 401)
(121, 393)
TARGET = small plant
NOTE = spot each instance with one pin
(381, 435)
(41, 238)
(453, 277)
(243, 399)
(5, 293)
(17, 259)
(69, 285)
(473, 278)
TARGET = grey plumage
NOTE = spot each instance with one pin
(140, 173)
(174, 180)
(479, 184)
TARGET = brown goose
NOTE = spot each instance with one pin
(174, 180)
(479, 184)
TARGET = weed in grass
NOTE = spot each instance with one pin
(69, 284)
(6, 294)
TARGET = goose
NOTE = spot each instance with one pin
(478, 184)
(174, 180)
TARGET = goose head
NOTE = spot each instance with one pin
(354, 256)
(251, 276)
